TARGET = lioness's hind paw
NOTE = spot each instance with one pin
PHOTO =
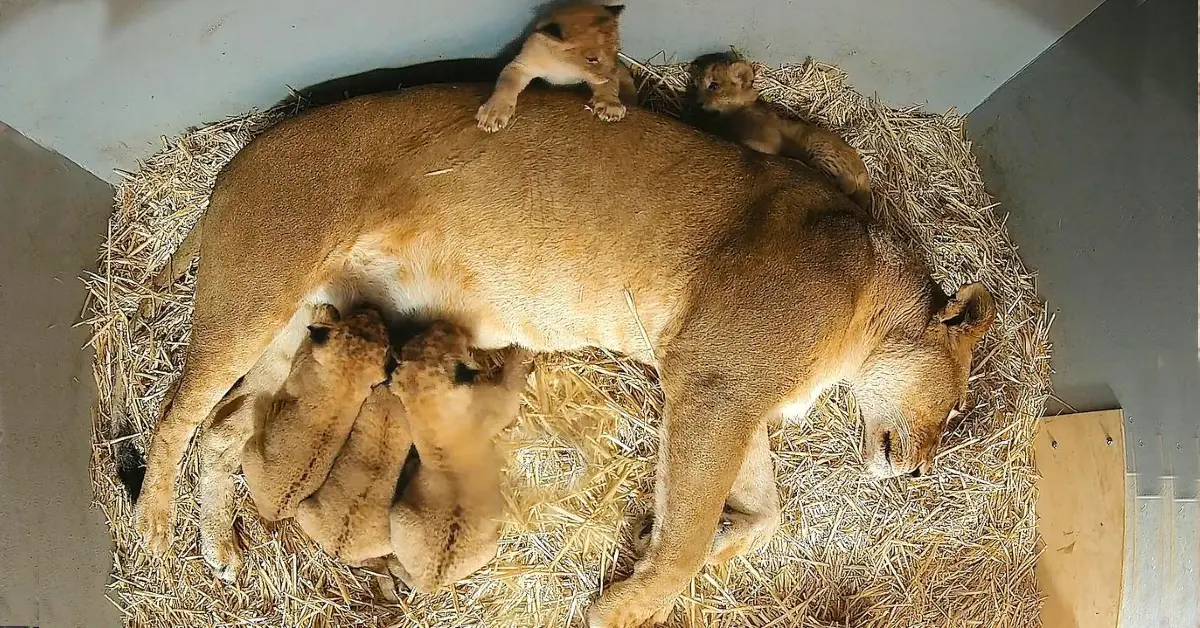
(154, 524)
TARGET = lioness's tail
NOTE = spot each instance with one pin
(179, 263)
(181, 259)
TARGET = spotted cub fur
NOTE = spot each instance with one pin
(293, 446)
(445, 524)
(348, 515)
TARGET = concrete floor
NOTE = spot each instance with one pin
(54, 548)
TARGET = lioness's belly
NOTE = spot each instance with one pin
(552, 307)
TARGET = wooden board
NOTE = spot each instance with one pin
(1081, 516)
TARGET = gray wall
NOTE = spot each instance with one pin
(100, 80)
(54, 548)
(1092, 150)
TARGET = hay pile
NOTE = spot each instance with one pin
(955, 549)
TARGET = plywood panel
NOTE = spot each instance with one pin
(1081, 516)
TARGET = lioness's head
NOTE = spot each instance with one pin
(911, 385)
(585, 35)
(722, 82)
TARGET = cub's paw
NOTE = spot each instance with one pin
(628, 604)
(223, 556)
(153, 520)
(606, 110)
(494, 115)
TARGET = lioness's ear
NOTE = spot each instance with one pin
(551, 30)
(970, 312)
(615, 9)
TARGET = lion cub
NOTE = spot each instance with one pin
(348, 515)
(445, 524)
(293, 446)
(573, 44)
(727, 104)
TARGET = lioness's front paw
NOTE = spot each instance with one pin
(741, 534)
(223, 556)
(494, 115)
(606, 110)
(628, 604)
(152, 518)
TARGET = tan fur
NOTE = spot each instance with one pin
(757, 284)
(176, 267)
(181, 259)
(728, 105)
(348, 515)
(573, 44)
(292, 449)
(446, 524)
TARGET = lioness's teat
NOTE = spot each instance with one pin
(445, 524)
(727, 104)
(294, 445)
(573, 44)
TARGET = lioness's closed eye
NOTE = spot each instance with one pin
(570, 45)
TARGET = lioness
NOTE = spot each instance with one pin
(571, 44)
(756, 284)
(294, 445)
(446, 523)
(726, 103)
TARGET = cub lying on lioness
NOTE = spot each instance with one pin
(446, 524)
(727, 104)
(570, 45)
(293, 447)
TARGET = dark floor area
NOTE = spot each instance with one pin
(54, 548)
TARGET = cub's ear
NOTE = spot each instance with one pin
(969, 313)
(615, 9)
(551, 30)
(319, 332)
(325, 314)
(743, 72)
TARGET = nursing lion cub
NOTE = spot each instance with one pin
(294, 445)
(445, 524)
(750, 284)
(445, 501)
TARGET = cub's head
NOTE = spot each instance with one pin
(584, 35)
(439, 358)
(722, 82)
(359, 339)
(911, 386)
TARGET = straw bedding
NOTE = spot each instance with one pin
(955, 549)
